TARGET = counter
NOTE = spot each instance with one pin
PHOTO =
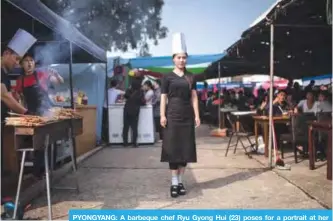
(146, 128)
(87, 140)
(84, 143)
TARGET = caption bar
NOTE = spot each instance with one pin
(201, 215)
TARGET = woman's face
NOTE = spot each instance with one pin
(180, 60)
(289, 98)
(28, 64)
(309, 96)
(321, 97)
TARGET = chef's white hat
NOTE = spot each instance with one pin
(178, 43)
(21, 42)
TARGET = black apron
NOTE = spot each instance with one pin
(37, 102)
(179, 135)
(36, 98)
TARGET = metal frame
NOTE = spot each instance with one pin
(272, 27)
(48, 172)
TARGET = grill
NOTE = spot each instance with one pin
(41, 136)
(56, 130)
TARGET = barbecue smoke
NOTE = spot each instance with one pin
(54, 49)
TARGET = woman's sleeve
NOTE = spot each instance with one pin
(300, 104)
(164, 85)
(194, 84)
(127, 94)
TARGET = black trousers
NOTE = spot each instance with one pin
(158, 127)
(2, 134)
(130, 121)
(280, 129)
(176, 166)
(105, 125)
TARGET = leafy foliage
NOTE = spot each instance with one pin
(115, 24)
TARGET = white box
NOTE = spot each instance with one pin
(146, 129)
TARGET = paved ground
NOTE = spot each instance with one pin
(134, 178)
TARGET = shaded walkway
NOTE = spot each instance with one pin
(134, 178)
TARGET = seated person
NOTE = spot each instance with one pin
(261, 110)
(324, 103)
(279, 108)
(279, 103)
(290, 102)
(309, 105)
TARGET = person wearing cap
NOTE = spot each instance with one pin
(16, 48)
(33, 85)
(280, 108)
(179, 113)
(279, 104)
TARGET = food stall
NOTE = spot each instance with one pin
(87, 140)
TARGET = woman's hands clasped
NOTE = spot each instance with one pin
(197, 121)
(163, 121)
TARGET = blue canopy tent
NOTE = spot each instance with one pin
(145, 62)
(319, 80)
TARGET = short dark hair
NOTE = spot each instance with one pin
(148, 83)
(7, 49)
(113, 83)
(174, 55)
(136, 84)
(325, 93)
(28, 55)
(282, 91)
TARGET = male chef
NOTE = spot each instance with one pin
(17, 47)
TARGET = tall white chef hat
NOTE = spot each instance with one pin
(21, 42)
(178, 43)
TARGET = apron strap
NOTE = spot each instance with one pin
(36, 78)
(22, 83)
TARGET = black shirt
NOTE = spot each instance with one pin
(278, 109)
(6, 81)
(134, 100)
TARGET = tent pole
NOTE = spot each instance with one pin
(72, 95)
(219, 94)
(71, 74)
(107, 100)
(270, 137)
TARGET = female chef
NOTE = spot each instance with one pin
(33, 88)
(179, 117)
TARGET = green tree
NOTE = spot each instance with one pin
(115, 24)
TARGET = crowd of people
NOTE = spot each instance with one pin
(293, 98)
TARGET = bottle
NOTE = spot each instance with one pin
(85, 99)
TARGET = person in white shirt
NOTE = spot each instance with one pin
(113, 94)
(149, 92)
(324, 104)
(310, 105)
